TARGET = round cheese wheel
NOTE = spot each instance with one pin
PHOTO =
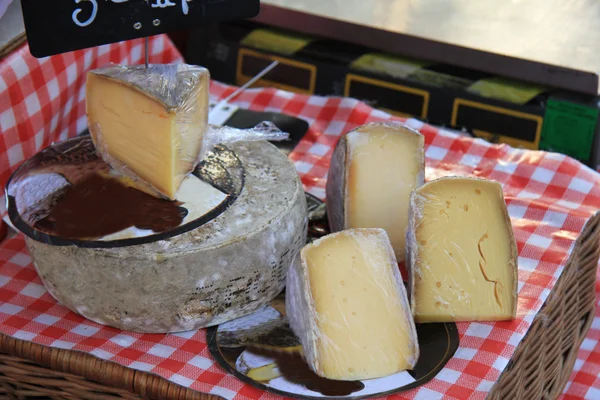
(220, 266)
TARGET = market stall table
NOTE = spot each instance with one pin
(550, 197)
(543, 41)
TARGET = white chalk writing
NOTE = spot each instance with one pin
(163, 4)
(92, 17)
(168, 3)
(153, 3)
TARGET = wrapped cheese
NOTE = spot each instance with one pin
(151, 124)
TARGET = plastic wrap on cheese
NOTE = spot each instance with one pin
(346, 302)
(151, 124)
(462, 254)
(373, 170)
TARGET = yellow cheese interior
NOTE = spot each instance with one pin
(384, 164)
(363, 329)
(464, 268)
(140, 132)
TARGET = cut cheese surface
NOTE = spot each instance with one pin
(383, 163)
(346, 302)
(463, 257)
(196, 196)
(149, 123)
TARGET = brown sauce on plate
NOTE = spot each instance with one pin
(97, 206)
(295, 369)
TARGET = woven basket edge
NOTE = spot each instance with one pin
(590, 224)
(143, 383)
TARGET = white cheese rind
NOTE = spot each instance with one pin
(225, 269)
(371, 175)
(461, 252)
(299, 309)
(345, 341)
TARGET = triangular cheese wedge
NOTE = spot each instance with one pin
(149, 123)
(347, 304)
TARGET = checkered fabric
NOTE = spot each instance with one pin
(43, 100)
(549, 198)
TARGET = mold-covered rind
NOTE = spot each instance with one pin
(335, 189)
(224, 269)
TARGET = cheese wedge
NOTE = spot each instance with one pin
(346, 302)
(462, 252)
(372, 173)
(149, 123)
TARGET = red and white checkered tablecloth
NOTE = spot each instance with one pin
(549, 198)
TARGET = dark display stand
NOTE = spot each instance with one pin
(485, 105)
(548, 43)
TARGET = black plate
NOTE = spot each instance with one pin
(259, 340)
(295, 127)
(220, 168)
(267, 334)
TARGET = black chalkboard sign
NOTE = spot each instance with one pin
(59, 26)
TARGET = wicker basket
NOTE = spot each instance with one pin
(543, 361)
(539, 369)
(30, 371)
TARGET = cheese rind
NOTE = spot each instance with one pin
(228, 267)
(346, 301)
(462, 254)
(372, 173)
(149, 123)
